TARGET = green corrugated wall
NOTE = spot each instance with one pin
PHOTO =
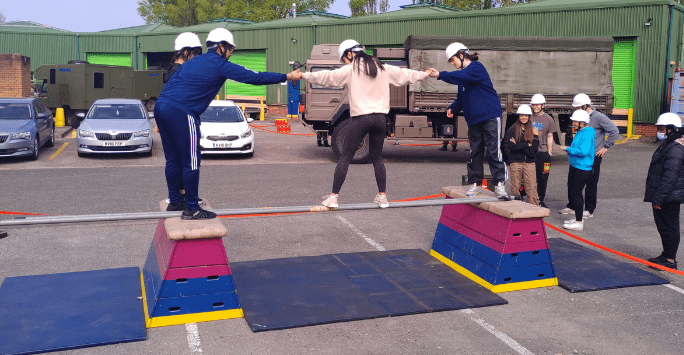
(650, 64)
(255, 60)
(624, 57)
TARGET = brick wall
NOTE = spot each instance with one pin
(277, 110)
(15, 75)
(646, 130)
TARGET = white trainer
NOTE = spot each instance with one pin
(381, 200)
(474, 190)
(575, 226)
(586, 214)
(500, 190)
(330, 201)
(566, 210)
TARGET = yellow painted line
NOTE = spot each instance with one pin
(185, 318)
(515, 286)
(73, 133)
(59, 150)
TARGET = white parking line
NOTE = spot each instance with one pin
(503, 337)
(370, 241)
(490, 328)
(674, 288)
(193, 338)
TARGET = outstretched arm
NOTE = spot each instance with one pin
(329, 78)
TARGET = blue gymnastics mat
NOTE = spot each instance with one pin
(581, 269)
(303, 291)
(72, 310)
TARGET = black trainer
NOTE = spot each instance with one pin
(657, 259)
(176, 207)
(663, 261)
(197, 214)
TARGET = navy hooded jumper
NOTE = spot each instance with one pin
(482, 111)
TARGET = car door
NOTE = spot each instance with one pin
(41, 124)
(49, 120)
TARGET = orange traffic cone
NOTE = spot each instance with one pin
(484, 184)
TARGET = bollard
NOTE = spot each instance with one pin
(261, 106)
(59, 117)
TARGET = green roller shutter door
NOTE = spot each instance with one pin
(255, 60)
(624, 60)
(119, 59)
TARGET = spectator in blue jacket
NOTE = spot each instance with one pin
(482, 111)
(185, 96)
(581, 158)
(665, 186)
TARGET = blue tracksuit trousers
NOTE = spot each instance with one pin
(180, 139)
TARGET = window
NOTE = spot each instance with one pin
(53, 76)
(98, 81)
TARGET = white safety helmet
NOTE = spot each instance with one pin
(580, 100)
(454, 48)
(349, 45)
(524, 110)
(187, 40)
(219, 35)
(669, 118)
(580, 116)
(537, 99)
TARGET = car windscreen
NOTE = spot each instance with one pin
(117, 112)
(15, 111)
(222, 114)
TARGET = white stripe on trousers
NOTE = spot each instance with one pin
(193, 143)
(498, 139)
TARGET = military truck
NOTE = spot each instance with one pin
(74, 87)
(519, 67)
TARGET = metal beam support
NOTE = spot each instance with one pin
(239, 211)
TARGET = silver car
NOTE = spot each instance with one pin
(115, 126)
(25, 126)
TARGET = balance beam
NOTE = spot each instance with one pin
(240, 211)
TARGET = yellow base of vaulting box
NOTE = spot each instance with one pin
(515, 286)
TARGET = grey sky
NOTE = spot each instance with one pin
(100, 15)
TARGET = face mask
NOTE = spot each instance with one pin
(661, 136)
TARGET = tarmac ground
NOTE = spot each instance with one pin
(291, 170)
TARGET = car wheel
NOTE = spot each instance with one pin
(249, 155)
(362, 155)
(82, 155)
(51, 141)
(36, 147)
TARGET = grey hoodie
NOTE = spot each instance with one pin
(603, 125)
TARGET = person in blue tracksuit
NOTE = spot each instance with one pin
(581, 159)
(482, 111)
(185, 96)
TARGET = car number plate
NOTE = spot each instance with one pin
(222, 145)
(113, 144)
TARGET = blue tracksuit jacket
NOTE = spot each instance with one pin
(197, 81)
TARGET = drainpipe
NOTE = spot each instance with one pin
(136, 52)
(667, 60)
(78, 47)
(314, 33)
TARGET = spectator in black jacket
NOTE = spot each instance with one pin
(521, 144)
(665, 186)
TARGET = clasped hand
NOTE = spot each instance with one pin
(295, 75)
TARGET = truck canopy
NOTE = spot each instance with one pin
(523, 65)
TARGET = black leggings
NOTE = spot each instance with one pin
(374, 125)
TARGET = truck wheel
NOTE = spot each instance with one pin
(362, 155)
(149, 104)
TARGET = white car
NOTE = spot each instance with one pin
(225, 130)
